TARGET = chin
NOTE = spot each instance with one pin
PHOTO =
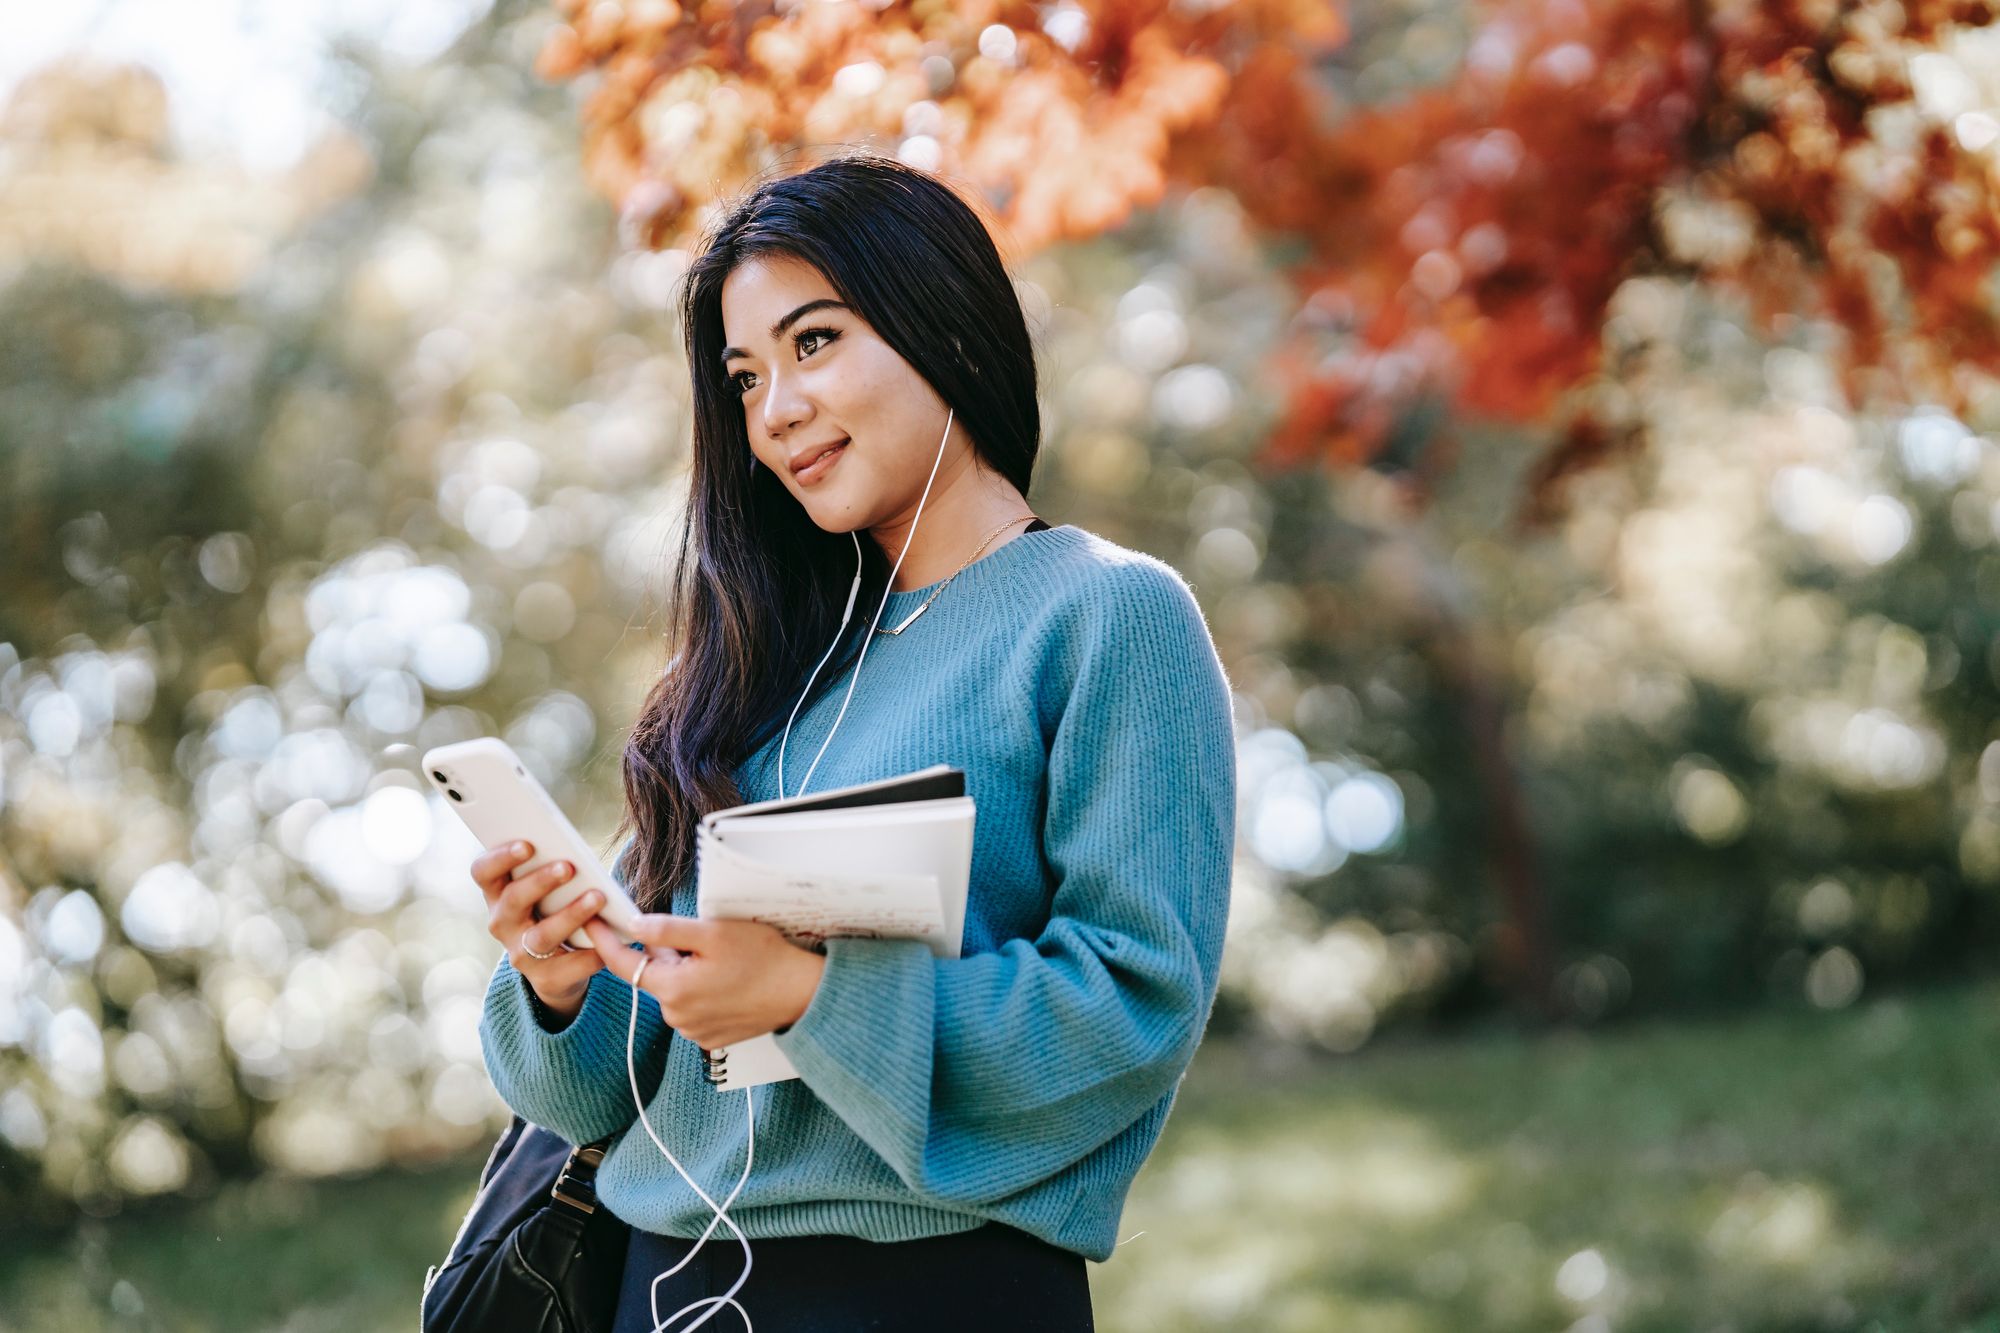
(834, 516)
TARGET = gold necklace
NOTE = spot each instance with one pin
(954, 574)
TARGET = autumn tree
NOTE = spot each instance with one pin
(1459, 243)
(1455, 248)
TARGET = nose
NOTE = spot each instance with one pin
(785, 408)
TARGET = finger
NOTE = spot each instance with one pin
(534, 940)
(555, 929)
(560, 964)
(576, 913)
(520, 897)
(610, 947)
(662, 930)
(515, 909)
(621, 958)
(490, 868)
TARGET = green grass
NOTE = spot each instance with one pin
(1779, 1171)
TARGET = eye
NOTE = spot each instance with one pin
(799, 339)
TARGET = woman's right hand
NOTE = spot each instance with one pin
(558, 982)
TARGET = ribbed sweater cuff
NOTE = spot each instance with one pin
(864, 1043)
(573, 1081)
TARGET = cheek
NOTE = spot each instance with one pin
(891, 471)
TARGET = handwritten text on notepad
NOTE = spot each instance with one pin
(810, 907)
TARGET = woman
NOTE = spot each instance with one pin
(964, 1131)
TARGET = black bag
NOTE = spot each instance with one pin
(535, 1254)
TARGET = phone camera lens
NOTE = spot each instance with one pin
(438, 773)
(454, 795)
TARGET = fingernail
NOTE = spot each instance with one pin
(520, 849)
(593, 898)
(565, 870)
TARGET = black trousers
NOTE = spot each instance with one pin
(994, 1277)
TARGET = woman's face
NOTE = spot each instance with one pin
(812, 379)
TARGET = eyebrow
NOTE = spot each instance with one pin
(778, 329)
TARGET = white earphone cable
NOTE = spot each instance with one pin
(721, 1210)
(716, 1303)
(855, 679)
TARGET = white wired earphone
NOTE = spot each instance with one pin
(632, 1031)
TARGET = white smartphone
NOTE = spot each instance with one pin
(497, 798)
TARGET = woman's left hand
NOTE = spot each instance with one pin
(730, 980)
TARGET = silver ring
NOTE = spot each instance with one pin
(551, 954)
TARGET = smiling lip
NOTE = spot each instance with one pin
(818, 465)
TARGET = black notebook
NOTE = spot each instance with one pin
(935, 783)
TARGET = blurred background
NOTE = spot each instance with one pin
(1577, 420)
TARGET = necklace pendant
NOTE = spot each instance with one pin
(954, 574)
(907, 619)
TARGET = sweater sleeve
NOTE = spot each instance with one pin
(572, 1080)
(978, 1077)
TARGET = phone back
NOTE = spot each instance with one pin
(496, 797)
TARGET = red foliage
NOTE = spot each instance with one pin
(1464, 241)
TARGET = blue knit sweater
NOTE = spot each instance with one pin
(1075, 682)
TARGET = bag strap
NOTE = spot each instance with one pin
(576, 1185)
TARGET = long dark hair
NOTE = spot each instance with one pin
(758, 587)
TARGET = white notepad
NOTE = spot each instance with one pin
(885, 859)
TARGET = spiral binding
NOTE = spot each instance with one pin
(715, 1065)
